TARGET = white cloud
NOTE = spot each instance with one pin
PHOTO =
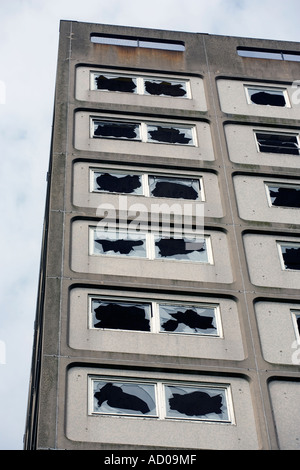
(28, 49)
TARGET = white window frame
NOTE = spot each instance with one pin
(155, 316)
(140, 83)
(290, 134)
(269, 184)
(150, 246)
(267, 89)
(143, 130)
(146, 184)
(295, 314)
(281, 244)
(160, 398)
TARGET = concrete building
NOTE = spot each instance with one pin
(152, 333)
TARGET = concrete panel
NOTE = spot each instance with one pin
(285, 397)
(84, 92)
(264, 262)
(218, 271)
(279, 345)
(84, 197)
(202, 150)
(255, 205)
(242, 147)
(81, 426)
(234, 100)
(228, 345)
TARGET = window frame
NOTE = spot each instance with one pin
(155, 315)
(143, 130)
(160, 398)
(269, 184)
(289, 134)
(283, 90)
(295, 313)
(280, 245)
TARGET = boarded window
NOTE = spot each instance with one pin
(178, 188)
(187, 319)
(117, 130)
(165, 88)
(118, 183)
(119, 243)
(196, 402)
(107, 82)
(124, 398)
(120, 315)
(285, 196)
(278, 143)
(267, 97)
(170, 134)
(291, 256)
(181, 249)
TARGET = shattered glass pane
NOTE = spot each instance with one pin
(165, 88)
(174, 187)
(196, 403)
(170, 135)
(291, 256)
(118, 243)
(284, 196)
(124, 398)
(120, 315)
(267, 97)
(278, 143)
(187, 319)
(181, 249)
(109, 82)
(118, 183)
(117, 130)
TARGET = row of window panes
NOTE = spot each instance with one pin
(156, 399)
(147, 185)
(122, 83)
(129, 41)
(268, 54)
(144, 132)
(148, 245)
(155, 317)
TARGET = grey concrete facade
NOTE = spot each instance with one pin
(249, 357)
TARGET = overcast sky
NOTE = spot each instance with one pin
(28, 51)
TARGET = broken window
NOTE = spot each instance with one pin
(296, 321)
(119, 83)
(116, 130)
(285, 195)
(118, 183)
(111, 314)
(182, 249)
(267, 97)
(124, 398)
(119, 243)
(180, 188)
(278, 143)
(170, 134)
(165, 88)
(188, 319)
(197, 403)
(291, 256)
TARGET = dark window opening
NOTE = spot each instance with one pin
(115, 183)
(111, 83)
(124, 247)
(181, 248)
(291, 257)
(165, 88)
(267, 97)
(124, 398)
(121, 315)
(174, 187)
(180, 319)
(128, 41)
(277, 143)
(298, 323)
(196, 404)
(285, 196)
(116, 130)
(170, 135)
